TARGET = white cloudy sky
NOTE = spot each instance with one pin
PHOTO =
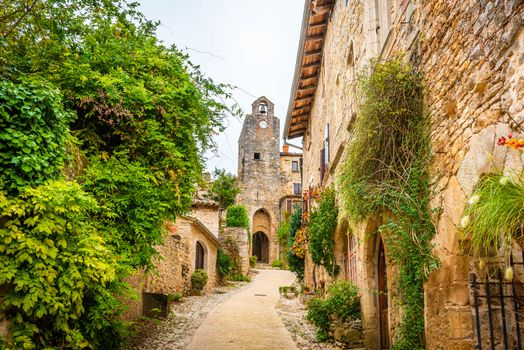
(251, 44)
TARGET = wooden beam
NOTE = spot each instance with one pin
(315, 37)
(313, 52)
(307, 87)
(306, 109)
(314, 75)
(304, 97)
(312, 64)
(298, 125)
(318, 24)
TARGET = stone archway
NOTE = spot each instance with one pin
(261, 247)
(262, 233)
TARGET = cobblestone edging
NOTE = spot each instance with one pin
(175, 332)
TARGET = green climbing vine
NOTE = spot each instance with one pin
(386, 173)
(321, 227)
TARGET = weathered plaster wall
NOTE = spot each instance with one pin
(471, 55)
(192, 233)
(209, 216)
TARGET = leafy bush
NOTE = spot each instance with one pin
(277, 263)
(253, 261)
(296, 263)
(224, 188)
(285, 289)
(495, 213)
(135, 207)
(174, 297)
(62, 273)
(321, 227)
(224, 263)
(33, 130)
(283, 229)
(342, 301)
(236, 216)
(239, 278)
(199, 279)
(318, 313)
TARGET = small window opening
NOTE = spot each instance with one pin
(294, 166)
(257, 156)
(297, 189)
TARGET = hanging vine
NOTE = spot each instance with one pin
(321, 228)
(386, 171)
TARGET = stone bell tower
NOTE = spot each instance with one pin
(258, 176)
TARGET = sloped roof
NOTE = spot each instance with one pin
(307, 68)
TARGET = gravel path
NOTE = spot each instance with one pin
(243, 316)
(176, 331)
(248, 320)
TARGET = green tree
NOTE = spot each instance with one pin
(87, 80)
(224, 188)
(296, 264)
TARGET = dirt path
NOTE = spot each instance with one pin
(248, 320)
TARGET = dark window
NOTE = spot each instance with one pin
(294, 166)
(297, 188)
(257, 156)
(199, 258)
(326, 143)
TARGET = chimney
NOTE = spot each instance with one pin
(285, 148)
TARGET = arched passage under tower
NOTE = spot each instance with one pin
(261, 229)
(261, 247)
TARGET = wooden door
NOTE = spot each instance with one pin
(199, 256)
(383, 298)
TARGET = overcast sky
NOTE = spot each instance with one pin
(251, 44)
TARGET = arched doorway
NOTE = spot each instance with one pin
(261, 247)
(200, 256)
(382, 297)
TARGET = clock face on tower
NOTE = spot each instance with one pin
(262, 124)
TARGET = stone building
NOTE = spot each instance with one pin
(191, 244)
(471, 56)
(269, 179)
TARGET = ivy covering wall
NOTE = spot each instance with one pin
(386, 174)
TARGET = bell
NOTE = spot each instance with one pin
(263, 109)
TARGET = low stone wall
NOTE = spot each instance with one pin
(239, 235)
(348, 332)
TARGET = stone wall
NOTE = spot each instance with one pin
(173, 264)
(471, 55)
(209, 216)
(240, 236)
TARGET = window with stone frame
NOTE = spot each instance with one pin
(294, 166)
(297, 188)
(379, 19)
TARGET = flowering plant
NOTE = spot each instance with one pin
(511, 142)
